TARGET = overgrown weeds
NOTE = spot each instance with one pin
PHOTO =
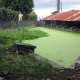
(22, 34)
(16, 67)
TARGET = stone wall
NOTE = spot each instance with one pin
(15, 24)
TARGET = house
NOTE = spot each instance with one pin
(68, 18)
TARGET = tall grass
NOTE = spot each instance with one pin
(22, 34)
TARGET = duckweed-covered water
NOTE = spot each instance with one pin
(62, 47)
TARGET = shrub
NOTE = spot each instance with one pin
(7, 14)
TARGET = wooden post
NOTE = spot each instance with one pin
(51, 23)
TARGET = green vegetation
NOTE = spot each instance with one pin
(20, 67)
(32, 16)
(24, 6)
(7, 14)
(18, 5)
(22, 34)
(54, 12)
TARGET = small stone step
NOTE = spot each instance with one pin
(24, 48)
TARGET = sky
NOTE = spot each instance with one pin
(44, 8)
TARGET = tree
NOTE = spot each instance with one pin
(54, 12)
(7, 14)
(25, 6)
(32, 16)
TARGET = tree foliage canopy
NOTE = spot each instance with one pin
(18, 5)
(7, 14)
(54, 12)
(32, 16)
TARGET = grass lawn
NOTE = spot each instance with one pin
(62, 47)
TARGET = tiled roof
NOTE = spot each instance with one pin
(65, 16)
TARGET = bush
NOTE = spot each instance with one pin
(7, 14)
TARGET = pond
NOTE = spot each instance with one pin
(62, 47)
